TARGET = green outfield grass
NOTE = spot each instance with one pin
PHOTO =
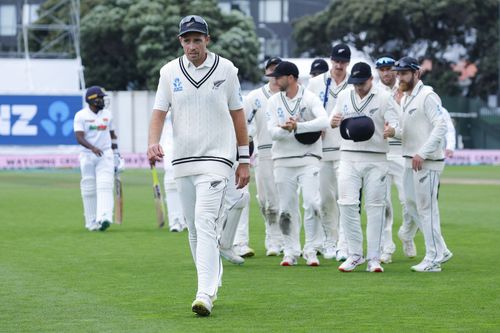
(57, 277)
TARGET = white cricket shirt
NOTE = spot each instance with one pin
(255, 109)
(318, 86)
(96, 128)
(379, 106)
(200, 99)
(306, 108)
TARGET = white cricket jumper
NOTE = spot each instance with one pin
(200, 99)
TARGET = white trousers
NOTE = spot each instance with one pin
(202, 198)
(330, 233)
(242, 233)
(96, 186)
(235, 202)
(372, 178)
(421, 188)
(267, 195)
(394, 176)
(172, 197)
(288, 181)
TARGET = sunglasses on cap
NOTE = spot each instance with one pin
(192, 18)
(384, 62)
(406, 63)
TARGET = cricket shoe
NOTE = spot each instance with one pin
(104, 225)
(386, 258)
(289, 261)
(374, 266)
(351, 263)
(230, 256)
(426, 266)
(329, 252)
(177, 226)
(202, 306)
(311, 259)
(447, 256)
(409, 248)
(273, 251)
(244, 251)
(341, 255)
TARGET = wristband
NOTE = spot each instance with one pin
(114, 141)
(244, 154)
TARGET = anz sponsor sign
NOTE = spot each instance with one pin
(38, 120)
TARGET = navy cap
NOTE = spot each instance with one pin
(318, 66)
(357, 129)
(94, 92)
(285, 68)
(360, 72)
(341, 52)
(273, 61)
(385, 61)
(406, 64)
(193, 23)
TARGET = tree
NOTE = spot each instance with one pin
(425, 28)
(125, 42)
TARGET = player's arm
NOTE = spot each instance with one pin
(434, 112)
(337, 116)
(80, 138)
(320, 121)
(155, 151)
(240, 127)
(163, 101)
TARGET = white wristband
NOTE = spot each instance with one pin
(244, 154)
(114, 141)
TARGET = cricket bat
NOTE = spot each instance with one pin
(160, 208)
(118, 199)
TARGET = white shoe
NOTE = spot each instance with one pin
(244, 250)
(311, 259)
(446, 256)
(409, 248)
(93, 227)
(374, 266)
(288, 261)
(202, 306)
(426, 266)
(175, 228)
(329, 252)
(341, 255)
(273, 251)
(351, 263)
(230, 256)
(386, 258)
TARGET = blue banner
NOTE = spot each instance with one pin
(38, 120)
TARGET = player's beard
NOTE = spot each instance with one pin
(406, 86)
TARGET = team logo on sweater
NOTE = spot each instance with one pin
(372, 111)
(257, 103)
(217, 84)
(412, 110)
(177, 84)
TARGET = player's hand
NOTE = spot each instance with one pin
(417, 162)
(448, 153)
(242, 176)
(389, 131)
(336, 120)
(155, 153)
(97, 151)
(290, 125)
